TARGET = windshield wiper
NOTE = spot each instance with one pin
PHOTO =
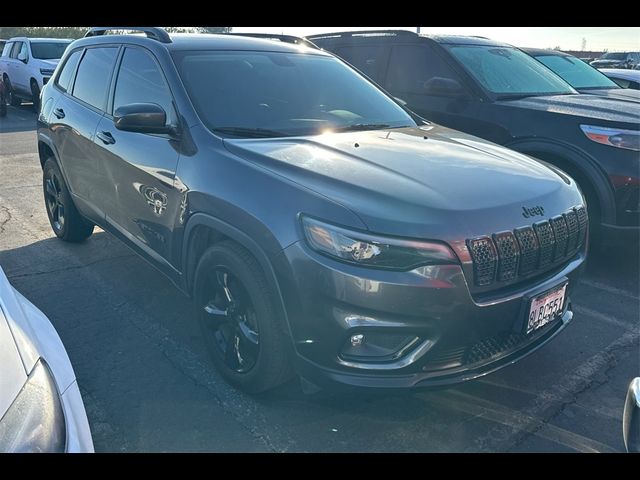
(248, 132)
(362, 126)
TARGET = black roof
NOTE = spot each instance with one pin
(401, 35)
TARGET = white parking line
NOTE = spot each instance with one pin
(505, 416)
(610, 289)
(582, 310)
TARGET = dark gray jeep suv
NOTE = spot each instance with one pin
(319, 226)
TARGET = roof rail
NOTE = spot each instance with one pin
(155, 33)
(364, 33)
(282, 38)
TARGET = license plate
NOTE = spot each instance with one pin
(546, 307)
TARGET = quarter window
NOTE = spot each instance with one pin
(141, 81)
(94, 73)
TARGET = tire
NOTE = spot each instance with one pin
(64, 218)
(248, 344)
(14, 101)
(35, 95)
(3, 106)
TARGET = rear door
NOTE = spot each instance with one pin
(138, 170)
(75, 118)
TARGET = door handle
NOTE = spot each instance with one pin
(106, 138)
(59, 113)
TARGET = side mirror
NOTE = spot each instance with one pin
(141, 118)
(22, 57)
(400, 101)
(444, 87)
(631, 417)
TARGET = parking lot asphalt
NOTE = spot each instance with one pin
(148, 384)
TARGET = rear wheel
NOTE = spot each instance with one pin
(238, 321)
(64, 218)
(11, 96)
(3, 105)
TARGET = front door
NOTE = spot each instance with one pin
(138, 170)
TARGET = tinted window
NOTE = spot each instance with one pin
(614, 56)
(16, 48)
(369, 59)
(575, 72)
(286, 93)
(141, 81)
(412, 66)
(94, 73)
(507, 71)
(7, 49)
(64, 79)
(48, 50)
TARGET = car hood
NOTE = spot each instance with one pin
(583, 106)
(415, 181)
(625, 94)
(13, 374)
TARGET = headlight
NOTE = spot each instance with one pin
(46, 72)
(35, 421)
(372, 250)
(615, 137)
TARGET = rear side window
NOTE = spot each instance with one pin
(94, 73)
(412, 66)
(369, 59)
(64, 79)
(7, 49)
(141, 81)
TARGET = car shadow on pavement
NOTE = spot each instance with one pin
(19, 119)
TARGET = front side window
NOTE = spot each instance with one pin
(64, 79)
(94, 73)
(141, 81)
(283, 94)
(508, 72)
(48, 50)
(411, 67)
(575, 72)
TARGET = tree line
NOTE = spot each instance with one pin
(78, 32)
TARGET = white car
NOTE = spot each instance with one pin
(41, 409)
(624, 78)
(27, 64)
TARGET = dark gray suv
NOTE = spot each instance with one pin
(320, 227)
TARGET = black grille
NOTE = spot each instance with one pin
(574, 230)
(492, 347)
(547, 242)
(528, 249)
(582, 221)
(484, 257)
(506, 255)
(561, 234)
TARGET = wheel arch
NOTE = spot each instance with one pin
(204, 230)
(579, 165)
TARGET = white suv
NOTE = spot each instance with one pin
(27, 64)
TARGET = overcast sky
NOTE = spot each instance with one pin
(567, 38)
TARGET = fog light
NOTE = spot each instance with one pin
(356, 340)
(378, 346)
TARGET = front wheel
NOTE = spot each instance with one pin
(65, 220)
(35, 95)
(14, 100)
(242, 331)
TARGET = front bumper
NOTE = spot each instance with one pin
(450, 335)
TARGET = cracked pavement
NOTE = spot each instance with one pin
(148, 385)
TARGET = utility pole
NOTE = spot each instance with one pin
(418, 30)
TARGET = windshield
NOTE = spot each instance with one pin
(248, 94)
(576, 72)
(509, 72)
(614, 56)
(48, 50)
